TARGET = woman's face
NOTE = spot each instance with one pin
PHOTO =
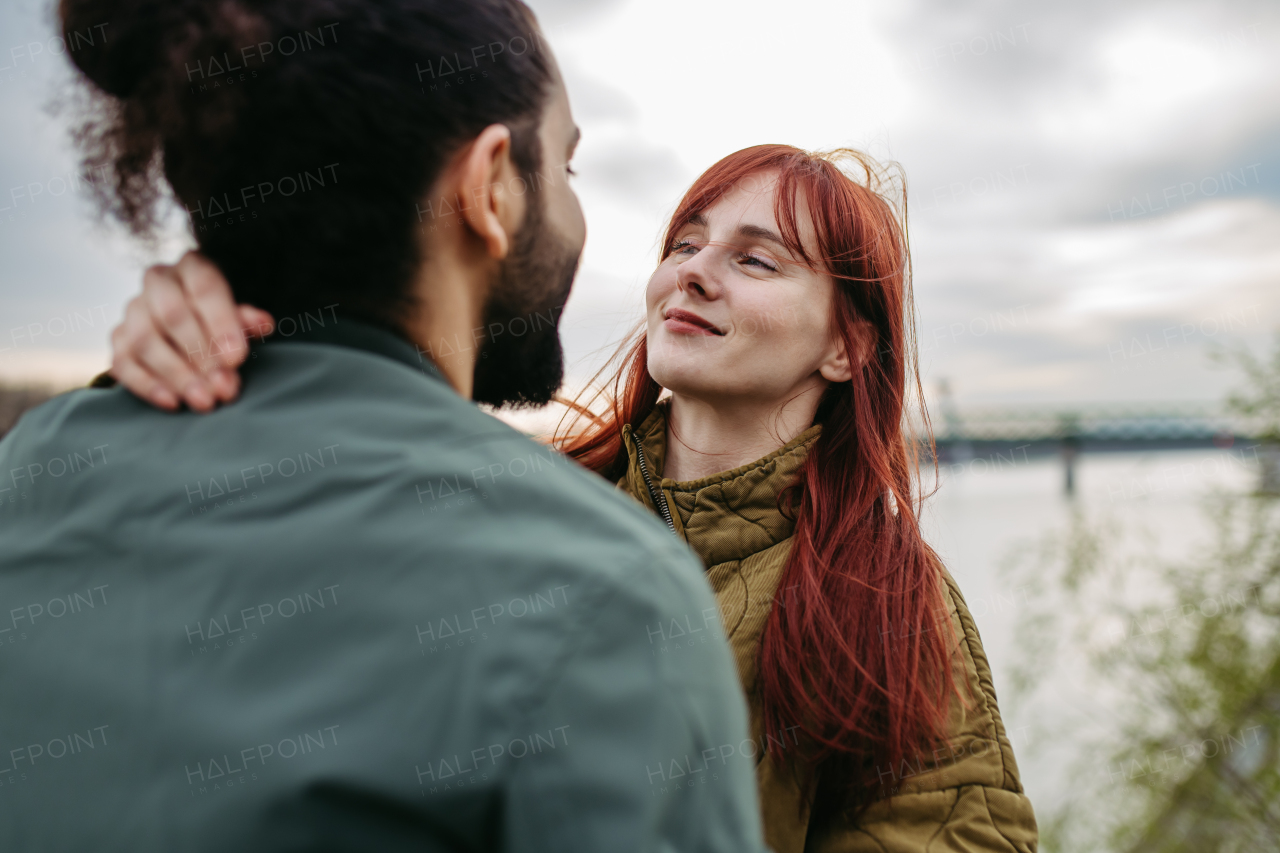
(733, 317)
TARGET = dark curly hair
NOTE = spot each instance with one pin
(301, 135)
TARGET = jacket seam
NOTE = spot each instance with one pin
(943, 825)
(989, 706)
(752, 522)
(542, 688)
(994, 825)
(570, 648)
(773, 542)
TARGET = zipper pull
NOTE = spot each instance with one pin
(656, 495)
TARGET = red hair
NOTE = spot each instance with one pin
(858, 652)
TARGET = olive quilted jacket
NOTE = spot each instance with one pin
(966, 796)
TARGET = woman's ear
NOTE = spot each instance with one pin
(838, 367)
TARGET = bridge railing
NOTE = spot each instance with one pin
(961, 435)
(1154, 422)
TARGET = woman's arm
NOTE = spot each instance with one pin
(183, 337)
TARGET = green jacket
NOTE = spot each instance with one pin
(965, 797)
(349, 612)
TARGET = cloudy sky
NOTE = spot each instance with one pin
(1094, 186)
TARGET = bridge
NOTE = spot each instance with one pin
(995, 432)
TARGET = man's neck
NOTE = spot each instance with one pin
(705, 438)
(448, 323)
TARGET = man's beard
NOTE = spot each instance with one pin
(521, 363)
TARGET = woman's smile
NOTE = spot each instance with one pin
(681, 322)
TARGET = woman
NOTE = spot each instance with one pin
(779, 321)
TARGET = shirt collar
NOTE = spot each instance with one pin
(341, 330)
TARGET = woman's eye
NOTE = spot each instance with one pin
(753, 260)
(679, 247)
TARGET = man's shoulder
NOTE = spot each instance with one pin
(397, 442)
(60, 435)
(465, 462)
(543, 498)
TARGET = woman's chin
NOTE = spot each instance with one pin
(690, 384)
(699, 374)
(678, 377)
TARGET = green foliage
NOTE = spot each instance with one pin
(1260, 398)
(1182, 663)
(1190, 681)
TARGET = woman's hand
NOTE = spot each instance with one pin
(183, 337)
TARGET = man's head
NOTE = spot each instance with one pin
(304, 138)
(502, 243)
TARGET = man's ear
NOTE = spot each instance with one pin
(483, 173)
(837, 367)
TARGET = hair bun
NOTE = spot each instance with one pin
(130, 47)
(142, 38)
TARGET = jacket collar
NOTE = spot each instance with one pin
(341, 330)
(727, 516)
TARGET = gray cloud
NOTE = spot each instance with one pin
(995, 74)
(558, 13)
(593, 101)
(634, 170)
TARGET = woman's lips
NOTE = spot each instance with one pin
(688, 323)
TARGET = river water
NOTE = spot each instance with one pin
(982, 515)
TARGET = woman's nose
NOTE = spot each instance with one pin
(698, 275)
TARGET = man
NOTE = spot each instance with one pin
(351, 611)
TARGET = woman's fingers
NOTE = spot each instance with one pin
(214, 307)
(183, 337)
(157, 356)
(132, 376)
(172, 317)
(256, 322)
(135, 341)
(192, 307)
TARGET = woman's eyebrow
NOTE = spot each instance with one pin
(756, 232)
(748, 232)
(751, 232)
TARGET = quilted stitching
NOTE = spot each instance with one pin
(965, 796)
